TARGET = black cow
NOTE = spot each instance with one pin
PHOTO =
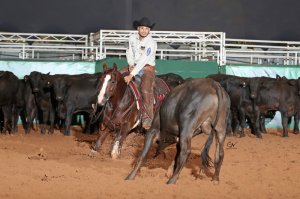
(197, 106)
(172, 79)
(74, 94)
(278, 95)
(26, 107)
(8, 90)
(239, 91)
(243, 96)
(45, 103)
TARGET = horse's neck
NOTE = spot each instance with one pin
(119, 93)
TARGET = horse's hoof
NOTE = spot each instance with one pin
(216, 182)
(172, 181)
(129, 177)
(92, 153)
(114, 156)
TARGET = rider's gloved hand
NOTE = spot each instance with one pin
(128, 78)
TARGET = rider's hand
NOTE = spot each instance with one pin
(128, 78)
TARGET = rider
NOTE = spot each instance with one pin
(141, 60)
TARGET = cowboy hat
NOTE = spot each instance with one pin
(143, 22)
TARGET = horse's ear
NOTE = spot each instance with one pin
(104, 67)
(115, 67)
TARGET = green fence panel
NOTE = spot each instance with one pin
(183, 68)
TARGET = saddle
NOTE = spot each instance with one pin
(161, 89)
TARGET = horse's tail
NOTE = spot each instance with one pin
(206, 160)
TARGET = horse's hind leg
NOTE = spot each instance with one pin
(147, 145)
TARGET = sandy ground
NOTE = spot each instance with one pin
(55, 166)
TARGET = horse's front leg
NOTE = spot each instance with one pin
(121, 134)
(97, 146)
(101, 138)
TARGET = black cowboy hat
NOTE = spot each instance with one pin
(143, 22)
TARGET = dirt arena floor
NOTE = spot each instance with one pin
(55, 166)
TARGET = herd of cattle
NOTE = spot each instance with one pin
(54, 99)
(260, 97)
(48, 99)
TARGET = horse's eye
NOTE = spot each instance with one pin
(113, 81)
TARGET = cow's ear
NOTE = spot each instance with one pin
(104, 66)
(115, 67)
(278, 76)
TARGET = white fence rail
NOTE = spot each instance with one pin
(65, 52)
(172, 45)
(42, 38)
(262, 52)
(46, 46)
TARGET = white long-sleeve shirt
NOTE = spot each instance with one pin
(140, 52)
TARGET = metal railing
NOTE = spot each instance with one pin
(167, 54)
(59, 52)
(42, 38)
(46, 46)
(172, 45)
(262, 52)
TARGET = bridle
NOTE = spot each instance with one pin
(95, 117)
(113, 123)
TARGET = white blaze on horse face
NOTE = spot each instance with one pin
(103, 89)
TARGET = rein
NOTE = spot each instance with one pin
(113, 122)
(96, 116)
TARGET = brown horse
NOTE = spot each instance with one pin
(122, 107)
